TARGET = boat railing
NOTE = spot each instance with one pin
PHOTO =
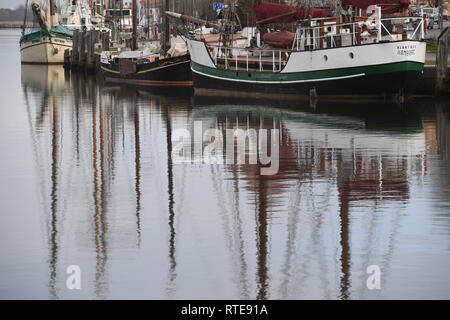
(249, 59)
(312, 38)
(372, 30)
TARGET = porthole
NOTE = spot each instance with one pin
(325, 57)
(351, 55)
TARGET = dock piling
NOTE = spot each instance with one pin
(74, 58)
(92, 39)
(442, 76)
(83, 50)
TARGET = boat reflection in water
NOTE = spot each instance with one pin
(140, 226)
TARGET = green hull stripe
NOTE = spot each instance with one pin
(310, 75)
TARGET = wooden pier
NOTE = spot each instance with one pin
(86, 49)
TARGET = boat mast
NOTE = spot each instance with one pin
(134, 45)
(166, 44)
(48, 15)
(51, 12)
(227, 35)
(121, 17)
(183, 17)
(148, 19)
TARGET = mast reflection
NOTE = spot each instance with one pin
(320, 146)
(171, 201)
(289, 235)
(45, 82)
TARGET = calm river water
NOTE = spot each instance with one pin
(87, 178)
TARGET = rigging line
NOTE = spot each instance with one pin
(25, 18)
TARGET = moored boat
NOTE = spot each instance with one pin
(150, 67)
(362, 54)
(45, 45)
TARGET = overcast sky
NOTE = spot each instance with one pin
(11, 3)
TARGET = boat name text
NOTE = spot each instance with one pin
(406, 50)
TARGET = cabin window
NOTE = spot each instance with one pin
(351, 55)
(325, 57)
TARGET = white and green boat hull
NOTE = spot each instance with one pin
(44, 48)
(390, 67)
